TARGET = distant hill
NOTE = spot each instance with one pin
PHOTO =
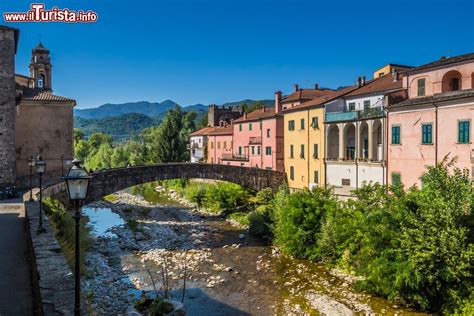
(268, 103)
(109, 110)
(119, 127)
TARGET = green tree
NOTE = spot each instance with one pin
(100, 158)
(97, 139)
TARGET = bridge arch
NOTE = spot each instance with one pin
(110, 181)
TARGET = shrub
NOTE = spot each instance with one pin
(299, 220)
(225, 198)
(241, 218)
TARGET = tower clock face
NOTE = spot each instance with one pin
(40, 82)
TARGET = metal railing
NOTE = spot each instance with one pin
(354, 115)
(234, 157)
(255, 140)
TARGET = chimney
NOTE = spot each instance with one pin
(442, 57)
(316, 86)
(363, 80)
(359, 82)
(245, 115)
(277, 102)
(296, 87)
(263, 108)
(395, 74)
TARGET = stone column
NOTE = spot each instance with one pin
(7, 106)
(358, 151)
(370, 135)
(342, 143)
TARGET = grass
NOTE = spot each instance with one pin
(111, 198)
(64, 229)
(240, 217)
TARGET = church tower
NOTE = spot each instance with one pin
(40, 67)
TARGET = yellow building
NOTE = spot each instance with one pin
(388, 69)
(304, 137)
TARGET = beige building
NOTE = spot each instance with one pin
(44, 121)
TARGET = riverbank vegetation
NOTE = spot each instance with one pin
(64, 228)
(162, 143)
(412, 246)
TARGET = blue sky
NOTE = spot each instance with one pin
(207, 51)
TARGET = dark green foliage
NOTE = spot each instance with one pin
(299, 221)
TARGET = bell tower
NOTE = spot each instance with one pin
(40, 67)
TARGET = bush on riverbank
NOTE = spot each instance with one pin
(415, 246)
(64, 229)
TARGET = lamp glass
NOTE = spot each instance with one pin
(77, 181)
(40, 166)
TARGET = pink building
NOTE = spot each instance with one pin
(258, 140)
(210, 144)
(435, 120)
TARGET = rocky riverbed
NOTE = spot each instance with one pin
(164, 245)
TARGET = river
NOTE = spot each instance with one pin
(144, 240)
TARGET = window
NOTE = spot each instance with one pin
(268, 133)
(212, 145)
(302, 123)
(240, 150)
(253, 150)
(302, 151)
(250, 126)
(315, 151)
(463, 132)
(396, 134)
(292, 173)
(258, 150)
(268, 151)
(218, 145)
(315, 122)
(455, 84)
(346, 181)
(291, 151)
(225, 145)
(366, 105)
(40, 81)
(352, 106)
(316, 176)
(427, 134)
(421, 87)
(240, 127)
(291, 125)
(396, 179)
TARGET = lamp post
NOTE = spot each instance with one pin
(31, 164)
(77, 182)
(40, 165)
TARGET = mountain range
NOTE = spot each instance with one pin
(127, 119)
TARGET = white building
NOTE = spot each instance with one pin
(354, 126)
(198, 145)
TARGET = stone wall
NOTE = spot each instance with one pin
(7, 105)
(113, 180)
(216, 113)
(45, 129)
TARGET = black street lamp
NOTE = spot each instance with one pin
(31, 164)
(40, 165)
(77, 182)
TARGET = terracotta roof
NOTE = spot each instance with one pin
(439, 97)
(328, 96)
(381, 84)
(228, 130)
(304, 94)
(443, 61)
(42, 95)
(257, 115)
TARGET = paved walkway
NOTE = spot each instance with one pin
(15, 288)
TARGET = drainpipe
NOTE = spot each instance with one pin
(386, 146)
(436, 133)
(308, 145)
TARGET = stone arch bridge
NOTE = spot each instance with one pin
(109, 181)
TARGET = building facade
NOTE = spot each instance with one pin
(355, 134)
(258, 140)
(37, 122)
(434, 122)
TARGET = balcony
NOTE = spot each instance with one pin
(354, 115)
(255, 140)
(371, 112)
(341, 116)
(192, 146)
(234, 157)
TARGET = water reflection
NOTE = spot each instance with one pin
(101, 220)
